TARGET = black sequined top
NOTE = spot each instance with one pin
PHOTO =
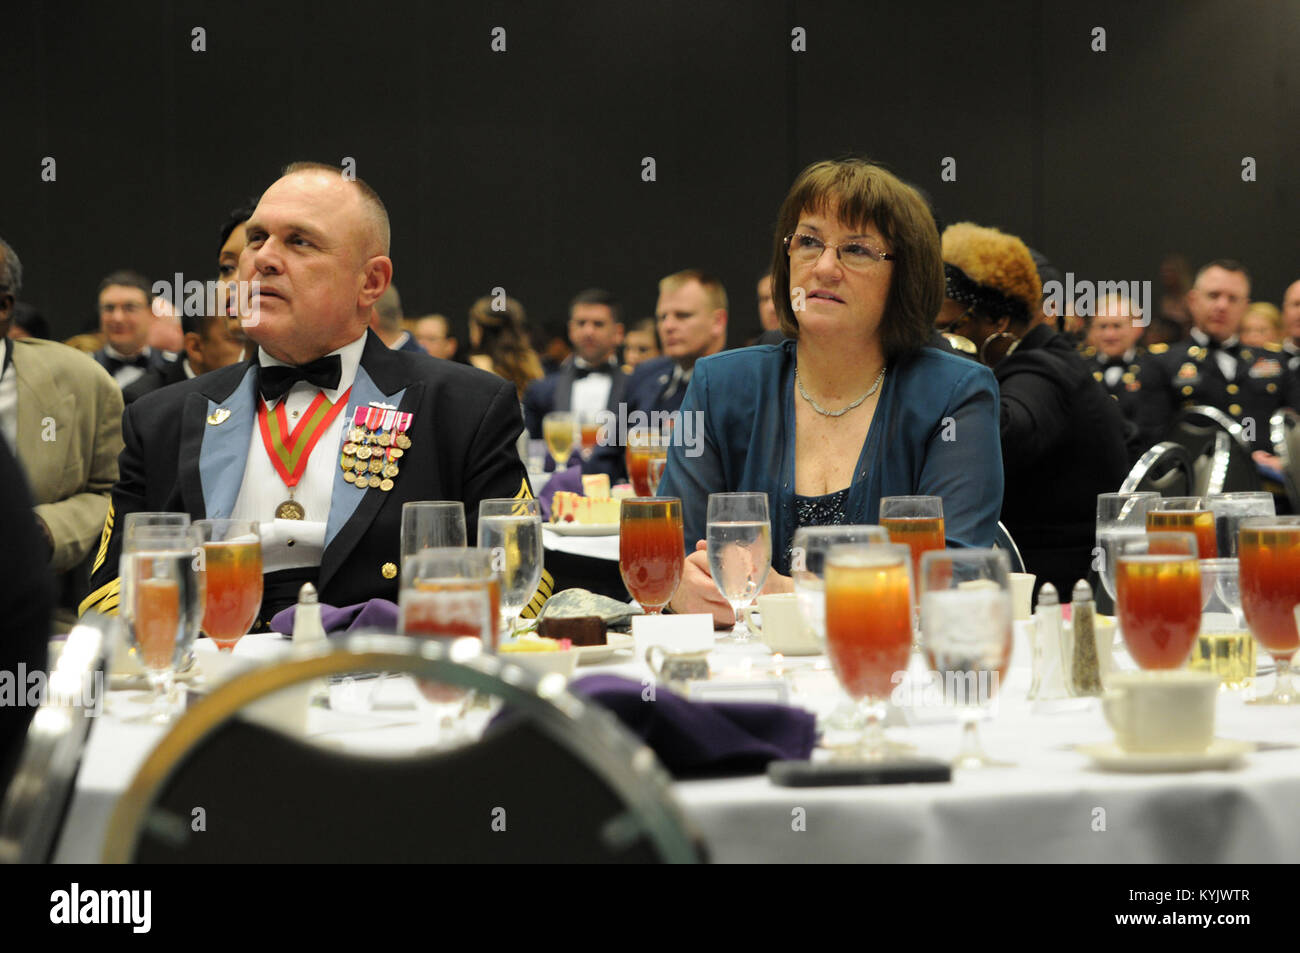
(828, 510)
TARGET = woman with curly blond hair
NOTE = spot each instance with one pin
(1062, 435)
(498, 340)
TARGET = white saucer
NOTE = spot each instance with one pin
(616, 642)
(1222, 753)
(583, 529)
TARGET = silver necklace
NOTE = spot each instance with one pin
(836, 413)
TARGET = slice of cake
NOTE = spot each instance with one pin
(596, 485)
(572, 508)
(622, 491)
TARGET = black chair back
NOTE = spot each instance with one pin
(1165, 469)
(1220, 453)
(36, 802)
(556, 779)
(1003, 540)
(1284, 432)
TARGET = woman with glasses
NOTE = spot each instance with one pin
(1062, 435)
(853, 406)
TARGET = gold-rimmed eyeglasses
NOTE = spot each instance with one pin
(855, 254)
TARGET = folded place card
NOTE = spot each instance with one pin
(677, 633)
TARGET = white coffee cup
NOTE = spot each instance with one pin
(1161, 712)
(782, 626)
(1022, 593)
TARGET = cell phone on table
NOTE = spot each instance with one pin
(812, 774)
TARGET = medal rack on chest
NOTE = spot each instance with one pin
(376, 442)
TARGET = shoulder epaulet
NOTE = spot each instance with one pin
(1158, 348)
(1088, 351)
(1270, 346)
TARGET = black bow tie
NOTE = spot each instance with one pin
(1215, 345)
(1109, 362)
(115, 364)
(580, 372)
(274, 380)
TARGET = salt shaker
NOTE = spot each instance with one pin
(1049, 655)
(309, 630)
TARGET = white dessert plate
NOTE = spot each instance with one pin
(1222, 753)
(615, 642)
(583, 529)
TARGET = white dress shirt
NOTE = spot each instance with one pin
(8, 399)
(294, 544)
(1112, 375)
(591, 394)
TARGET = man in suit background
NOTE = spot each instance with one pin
(211, 342)
(433, 333)
(386, 321)
(60, 414)
(318, 247)
(692, 316)
(126, 317)
(589, 380)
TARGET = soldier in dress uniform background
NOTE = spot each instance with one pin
(1213, 368)
(1133, 377)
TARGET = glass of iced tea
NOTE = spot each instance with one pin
(1158, 598)
(1268, 551)
(560, 431)
(916, 521)
(449, 594)
(230, 565)
(165, 608)
(808, 552)
(1186, 514)
(651, 550)
(647, 456)
(869, 629)
(966, 632)
(588, 433)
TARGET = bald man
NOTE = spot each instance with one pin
(325, 435)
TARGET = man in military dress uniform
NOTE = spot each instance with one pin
(324, 435)
(1134, 378)
(1212, 367)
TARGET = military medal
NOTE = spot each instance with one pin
(290, 450)
(290, 509)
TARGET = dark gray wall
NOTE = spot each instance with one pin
(523, 169)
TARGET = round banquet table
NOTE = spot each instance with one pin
(1051, 806)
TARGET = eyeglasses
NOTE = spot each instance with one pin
(970, 314)
(855, 255)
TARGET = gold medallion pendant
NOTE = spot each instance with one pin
(290, 510)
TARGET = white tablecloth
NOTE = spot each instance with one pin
(1051, 806)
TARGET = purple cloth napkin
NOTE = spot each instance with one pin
(375, 614)
(705, 738)
(570, 480)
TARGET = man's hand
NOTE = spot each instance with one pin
(697, 593)
(1267, 459)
